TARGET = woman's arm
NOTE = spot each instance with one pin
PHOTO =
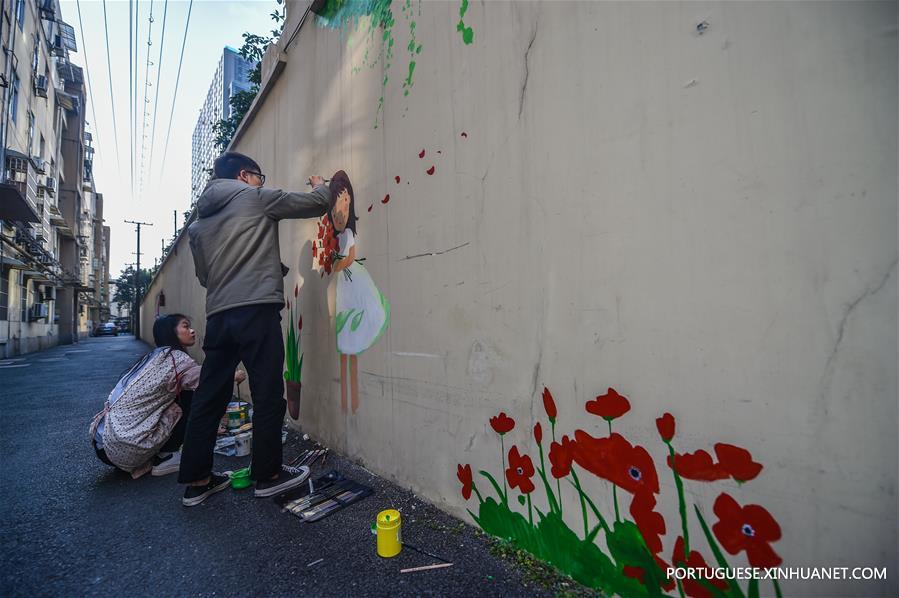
(345, 262)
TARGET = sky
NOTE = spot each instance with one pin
(158, 189)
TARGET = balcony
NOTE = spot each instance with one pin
(18, 189)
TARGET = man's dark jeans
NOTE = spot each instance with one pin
(251, 334)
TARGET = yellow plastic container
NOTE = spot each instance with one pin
(389, 539)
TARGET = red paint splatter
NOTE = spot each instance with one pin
(421, 154)
(397, 179)
(386, 198)
(370, 207)
(431, 170)
(464, 134)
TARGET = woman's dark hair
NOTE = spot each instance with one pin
(229, 165)
(164, 335)
(165, 332)
(339, 182)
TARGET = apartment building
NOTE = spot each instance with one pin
(231, 76)
(53, 246)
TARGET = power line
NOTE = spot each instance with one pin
(90, 88)
(115, 129)
(146, 101)
(131, 89)
(165, 149)
(165, 11)
(136, 72)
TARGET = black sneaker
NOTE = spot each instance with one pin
(284, 482)
(194, 495)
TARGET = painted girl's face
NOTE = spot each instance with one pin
(186, 335)
(341, 211)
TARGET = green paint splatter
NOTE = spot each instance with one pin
(347, 15)
(467, 32)
(408, 82)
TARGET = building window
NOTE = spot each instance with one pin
(4, 294)
(30, 133)
(43, 146)
(14, 98)
(20, 13)
(35, 58)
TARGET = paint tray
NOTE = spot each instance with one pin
(333, 491)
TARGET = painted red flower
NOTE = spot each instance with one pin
(750, 528)
(650, 523)
(609, 406)
(614, 458)
(697, 466)
(300, 325)
(692, 587)
(635, 573)
(549, 405)
(737, 462)
(538, 433)
(520, 471)
(560, 456)
(430, 170)
(502, 423)
(665, 425)
(464, 475)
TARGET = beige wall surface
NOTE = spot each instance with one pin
(705, 222)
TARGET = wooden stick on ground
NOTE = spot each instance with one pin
(426, 568)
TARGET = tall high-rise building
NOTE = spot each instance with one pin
(231, 77)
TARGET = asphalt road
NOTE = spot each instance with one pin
(74, 526)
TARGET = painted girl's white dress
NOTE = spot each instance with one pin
(362, 311)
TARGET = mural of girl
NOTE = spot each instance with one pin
(362, 311)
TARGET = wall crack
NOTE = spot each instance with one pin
(527, 70)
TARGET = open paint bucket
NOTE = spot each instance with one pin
(243, 444)
(240, 479)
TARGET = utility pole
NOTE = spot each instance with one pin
(135, 313)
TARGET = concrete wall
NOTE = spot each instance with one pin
(707, 223)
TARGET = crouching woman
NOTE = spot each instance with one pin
(142, 424)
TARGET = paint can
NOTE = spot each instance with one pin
(389, 537)
(243, 444)
(236, 415)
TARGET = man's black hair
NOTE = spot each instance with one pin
(229, 165)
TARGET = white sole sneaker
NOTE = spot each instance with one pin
(195, 500)
(171, 465)
(288, 484)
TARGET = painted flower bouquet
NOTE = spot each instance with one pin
(631, 562)
(325, 246)
(293, 358)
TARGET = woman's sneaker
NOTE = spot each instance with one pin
(285, 481)
(194, 495)
(171, 463)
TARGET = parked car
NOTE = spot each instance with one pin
(106, 329)
(123, 324)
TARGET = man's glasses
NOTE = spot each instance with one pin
(259, 174)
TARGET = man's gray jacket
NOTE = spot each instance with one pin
(235, 240)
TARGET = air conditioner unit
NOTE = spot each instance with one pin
(38, 311)
(40, 165)
(40, 86)
(49, 293)
(50, 185)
